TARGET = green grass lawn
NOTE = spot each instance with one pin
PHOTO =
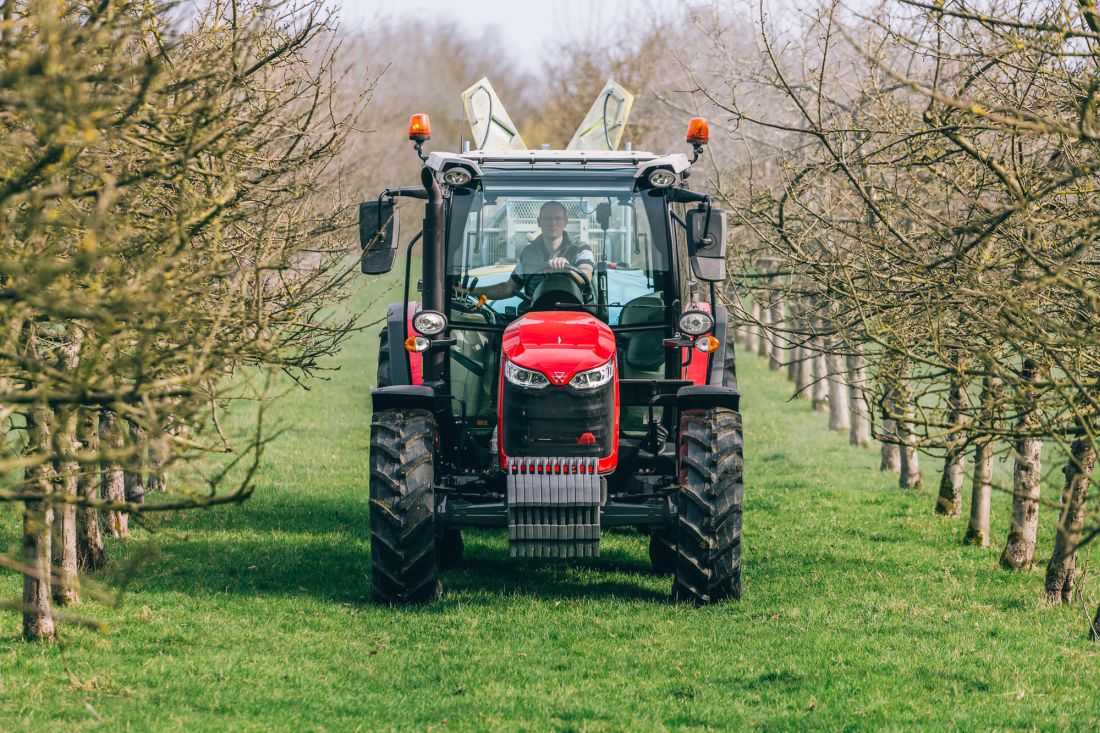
(861, 610)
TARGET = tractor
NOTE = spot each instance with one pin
(591, 397)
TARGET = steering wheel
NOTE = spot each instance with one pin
(588, 292)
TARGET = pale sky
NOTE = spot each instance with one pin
(527, 27)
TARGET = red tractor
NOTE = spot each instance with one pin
(564, 366)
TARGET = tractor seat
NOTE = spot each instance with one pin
(645, 351)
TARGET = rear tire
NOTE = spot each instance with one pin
(708, 532)
(402, 507)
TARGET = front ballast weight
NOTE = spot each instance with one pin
(553, 507)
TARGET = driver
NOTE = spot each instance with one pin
(553, 249)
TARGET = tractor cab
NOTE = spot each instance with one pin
(564, 364)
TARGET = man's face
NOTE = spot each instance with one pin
(552, 221)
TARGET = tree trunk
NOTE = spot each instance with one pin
(949, 502)
(37, 517)
(838, 393)
(910, 477)
(778, 351)
(156, 479)
(90, 552)
(763, 342)
(977, 531)
(114, 481)
(37, 613)
(821, 381)
(859, 433)
(752, 331)
(805, 376)
(794, 344)
(1019, 551)
(134, 476)
(891, 450)
(66, 589)
(738, 318)
(1063, 562)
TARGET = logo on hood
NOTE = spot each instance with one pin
(559, 377)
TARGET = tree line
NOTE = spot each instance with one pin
(918, 242)
(173, 233)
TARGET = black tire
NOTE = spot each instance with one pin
(729, 364)
(708, 532)
(383, 378)
(402, 507)
(449, 548)
(662, 552)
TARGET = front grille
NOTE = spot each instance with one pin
(548, 422)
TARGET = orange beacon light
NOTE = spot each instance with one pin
(420, 128)
(698, 131)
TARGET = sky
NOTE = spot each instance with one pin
(528, 28)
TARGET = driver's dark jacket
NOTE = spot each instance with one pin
(535, 257)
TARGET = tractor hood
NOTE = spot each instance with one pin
(559, 344)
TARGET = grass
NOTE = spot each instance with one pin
(861, 611)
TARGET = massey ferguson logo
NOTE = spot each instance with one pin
(559, 377)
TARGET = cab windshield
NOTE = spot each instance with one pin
(618, 241)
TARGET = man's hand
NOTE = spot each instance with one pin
(558, 263)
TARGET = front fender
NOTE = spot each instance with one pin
(409, 396)
(706, 397)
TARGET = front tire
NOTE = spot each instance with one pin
(708, 532)
(402, 507)
(662, 551)
(449, 548)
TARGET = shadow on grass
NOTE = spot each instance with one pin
(488, 573)
(319, 547)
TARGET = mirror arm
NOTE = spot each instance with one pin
(685, 196)
(414, 192)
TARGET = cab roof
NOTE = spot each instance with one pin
(499, 166)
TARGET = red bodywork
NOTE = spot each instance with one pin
(560, 344)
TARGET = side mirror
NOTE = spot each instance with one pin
(707, 244)
(377, 236)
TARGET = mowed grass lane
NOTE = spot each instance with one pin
(861, 610)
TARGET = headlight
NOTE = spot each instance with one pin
(593, 378)
(662, 178)
(429, 323)
(457, 177)
(695, 323)
(524, 377)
